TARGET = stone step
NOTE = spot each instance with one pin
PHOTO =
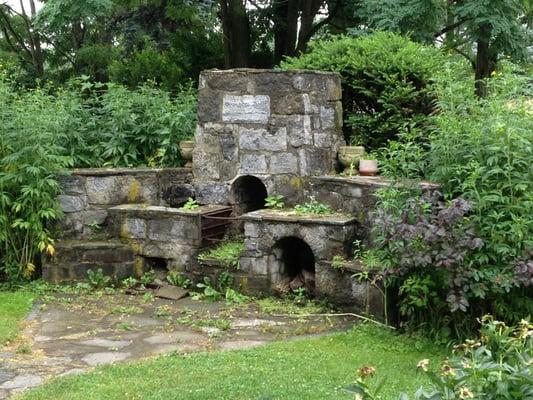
(74, 258)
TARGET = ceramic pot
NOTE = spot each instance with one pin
(186, 148)
(368, 167)
(349, 155)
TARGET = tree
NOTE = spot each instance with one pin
(283, 27)
(481, 30)
(21, 37)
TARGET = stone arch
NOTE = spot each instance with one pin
(292, 265)
(248, 193)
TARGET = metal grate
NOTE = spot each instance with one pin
(214, 225)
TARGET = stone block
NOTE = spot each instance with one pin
(253, 164)
(212, 192)
(72, 185)
(299, 130)
(322, 139)
(71, 204)
(327, 117)
(228, 146)
(246, 109)
(251, 230)
(206, 163)
(284, 163)
(133, 228)
(209, 105)
(263, 140)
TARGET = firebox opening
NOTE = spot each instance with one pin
(249, 194)
(296, 266)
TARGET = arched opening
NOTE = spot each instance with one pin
(248, 194)
(293, 266)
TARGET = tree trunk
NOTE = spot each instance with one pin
(485, 63)
(236, 31)
(285, 19)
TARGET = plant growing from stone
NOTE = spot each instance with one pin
(313, 207)
(275, 202)
(190, 205)
(179, 280)
(97, 279)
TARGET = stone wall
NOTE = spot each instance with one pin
(354, 195)
(88, 193)
(275, 125)
(170, 234)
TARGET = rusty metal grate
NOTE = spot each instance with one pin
(214, 225)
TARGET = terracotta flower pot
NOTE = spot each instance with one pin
(368, 167)
(186, 148)
(349, 155)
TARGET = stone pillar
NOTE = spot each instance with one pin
(278, 126)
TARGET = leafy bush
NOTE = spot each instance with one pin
(497, 366)
(31, 156)
(43, 132)
(479, 151)
(387, 82)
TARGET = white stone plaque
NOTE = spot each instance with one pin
(246, 109)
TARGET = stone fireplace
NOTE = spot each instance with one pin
(273, 126)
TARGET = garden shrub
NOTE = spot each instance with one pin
(387, 83)
(497, 365)
(480, 151)
(45, 131)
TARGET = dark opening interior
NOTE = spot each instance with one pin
(249, 194)
(297, 265)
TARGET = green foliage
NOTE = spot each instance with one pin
(481, 151)
(144, 65)
(97, 279)
(147, 278)
(387, 83)
(228, 253)
(313, 207)
(191, 204)
(13, 308)
(32, 154)
(125, 128)
(497, 366)
(338, 262)
(179, 280)
(275, 202)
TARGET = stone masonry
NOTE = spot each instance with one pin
(89, 193)
(277, 126)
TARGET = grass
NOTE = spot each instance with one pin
(228, 253)
(311, 369)
(13, 308)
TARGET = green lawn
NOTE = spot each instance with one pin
(13, 308)
(313, 369)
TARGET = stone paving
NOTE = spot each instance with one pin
(69, 334)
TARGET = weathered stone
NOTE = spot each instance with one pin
(95, 359)
(22, 382)
(299, 131)
(322, 139)
(206, 162)
(133, 228)
(72, 203)
(262, 139)
(212, 192)
(72, 185)
(327, 117)
(177, 195)
(283, 163)
(171, 292)
(253, 164)
(246, 109)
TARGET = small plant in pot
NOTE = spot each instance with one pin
(186, 148)
(368, 167)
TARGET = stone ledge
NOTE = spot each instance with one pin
(373, 181)
(309, 219)
(271, 71)
(143, 209)
(126, 171)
